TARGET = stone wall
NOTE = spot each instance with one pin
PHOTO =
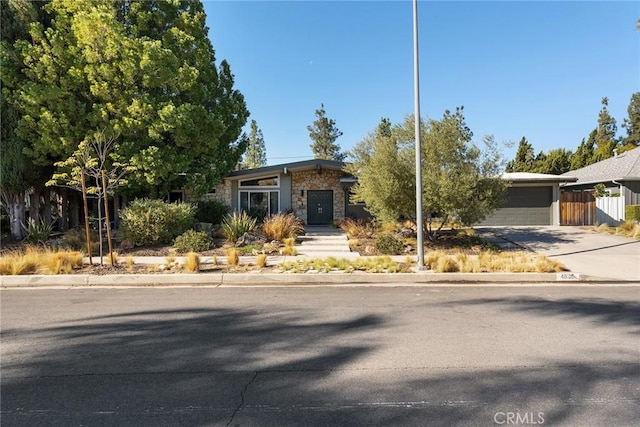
(316, 180)
(223, 193)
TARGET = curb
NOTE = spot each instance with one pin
(306, 279)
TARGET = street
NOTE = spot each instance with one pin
(340, 356)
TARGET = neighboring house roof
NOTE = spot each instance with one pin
(317, 164)
(521, 177)
(623, 167)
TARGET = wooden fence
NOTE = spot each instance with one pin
(577, 208)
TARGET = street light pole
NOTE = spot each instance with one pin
(416, 85)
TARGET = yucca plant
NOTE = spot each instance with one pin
(37, 231)
(236, 224)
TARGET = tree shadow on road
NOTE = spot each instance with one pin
(196, 359)
(600, 311)
(279, 367)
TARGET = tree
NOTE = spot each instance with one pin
(256, 154)
(524, 160)
(632, 124)
(145, 70)
(584, 155)
(92, 159)
(605, 141)
(17, 173)
(323, 132)
(386, 190)
(555, 162)
(460, 182)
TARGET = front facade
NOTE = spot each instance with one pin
(316, 191)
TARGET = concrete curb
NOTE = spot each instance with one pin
(290, 279)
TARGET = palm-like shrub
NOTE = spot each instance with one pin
(236, 224)
(282, 226)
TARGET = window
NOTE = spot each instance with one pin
(259, 204)
(269, 181)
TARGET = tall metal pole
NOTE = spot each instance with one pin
(416, 85)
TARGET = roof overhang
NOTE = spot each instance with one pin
(598, 181)
(286, 168)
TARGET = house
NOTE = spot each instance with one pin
(317, 191)
(531, 199)
(620, 176)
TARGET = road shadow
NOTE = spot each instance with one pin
(278, 367)
(136, 363)
(600, 311)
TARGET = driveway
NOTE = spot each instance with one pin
(580, 249)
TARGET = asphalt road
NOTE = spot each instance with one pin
(424, 356)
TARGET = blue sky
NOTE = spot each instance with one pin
(534, 69)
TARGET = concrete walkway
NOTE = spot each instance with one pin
(323, 242)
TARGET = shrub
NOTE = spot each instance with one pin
(387, 244)
(446, 264)
(34, 260)
(192, 262)
(282, 226)
(356, 228)
(261, 260)
(235, 225)
(211, 211)
(632, 212)
(192, 241)
(233, 257)
(37, 231)
(289, 251)
(147, 222)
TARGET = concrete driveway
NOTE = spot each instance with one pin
(581, 250)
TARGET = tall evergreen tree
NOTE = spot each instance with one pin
(143, 70)
(256, 154)
(554, 162)
(632, 124)
(17, 173)
(584, 155)
(323, 132)
(606, 140)
(523, 162)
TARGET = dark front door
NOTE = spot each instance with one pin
(319, 207)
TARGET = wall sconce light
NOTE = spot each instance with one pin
(302, 193)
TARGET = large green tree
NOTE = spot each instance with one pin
(632, 124)
(555, 162)
(323, 132)
(460, 181)
(143, 70)
(256, 154)
(385, 189)
(17, 172)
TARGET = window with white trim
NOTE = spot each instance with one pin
(259, 204)
(268, 182)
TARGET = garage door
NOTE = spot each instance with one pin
(524, 206)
